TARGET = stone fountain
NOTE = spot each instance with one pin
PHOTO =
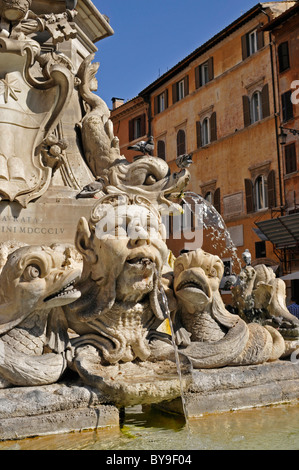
(93, 315)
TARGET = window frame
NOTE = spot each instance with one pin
(260, 193)
(256, 112)
(205, 132)
(290, 158)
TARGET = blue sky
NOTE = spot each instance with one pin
(151, 36)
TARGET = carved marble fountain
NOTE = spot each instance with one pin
(93, 315)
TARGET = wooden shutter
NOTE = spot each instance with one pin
(213, 127)
(287, 106)
(186, 85)
(283, 56)
(290, 158)
(161, 149)
(211, 68)
(131, 130)
(265, 101)
(260, 39)
(181, 142)
(166, 98)
(249, 196)
(271, 189)
(245, 48)
(198, 134)
(198, 77)
(156, 105)
(246, 111)
(174, 93)
(142, 125)
(217, 202)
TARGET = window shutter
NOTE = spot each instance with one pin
(287, 106)
(246, 111)
(198, 134)
(245, 49)
(131, 130)
(265, 101)
(174, 93)
(142, 125)
(290, 158)
(161, 149)
(283, 56)
(181, 142)
(197, 77)
(271, 189)
(166, 98)
(156, 105)
(213, 124)
(186, 85)
(249, 196)
(217, 202)
(260, 39)
(211, 68)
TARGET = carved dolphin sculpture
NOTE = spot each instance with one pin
(34, 282)
(218, 338)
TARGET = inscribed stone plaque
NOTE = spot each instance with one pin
(233, 205)
(236, 234)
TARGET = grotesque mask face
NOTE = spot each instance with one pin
(125, 251)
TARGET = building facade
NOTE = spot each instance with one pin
(220, 103)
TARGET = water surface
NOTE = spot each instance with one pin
(268, 428)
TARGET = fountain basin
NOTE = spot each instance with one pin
(236, 388)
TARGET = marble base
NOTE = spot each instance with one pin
(235, 388)
(52, 409)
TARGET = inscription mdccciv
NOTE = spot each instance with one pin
(27, 225)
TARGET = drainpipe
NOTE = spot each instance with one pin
(277, 125)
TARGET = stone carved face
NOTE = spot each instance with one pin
(197, 277)
(123, 249)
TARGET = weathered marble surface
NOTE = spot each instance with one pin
(235, 388)
(52, 409)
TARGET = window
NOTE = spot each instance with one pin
(209, 197)
(260, 249)
(161, 102)
(287, 106)
(181, 142)
(180, 89)
(137, 127)
(206, 131)
(252, 42)
(161, 149)
(260, 192)
(283, 56)
(204, 73)
(257, 106)
(290, 158)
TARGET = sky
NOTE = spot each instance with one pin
(151, 36)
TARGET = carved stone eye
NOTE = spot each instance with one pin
(213, 272)
(31, 272)
(150, 179)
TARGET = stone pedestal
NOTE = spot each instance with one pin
(51, 219)
(51, 409)
(235, 388)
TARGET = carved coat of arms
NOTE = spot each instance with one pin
(35, 88)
